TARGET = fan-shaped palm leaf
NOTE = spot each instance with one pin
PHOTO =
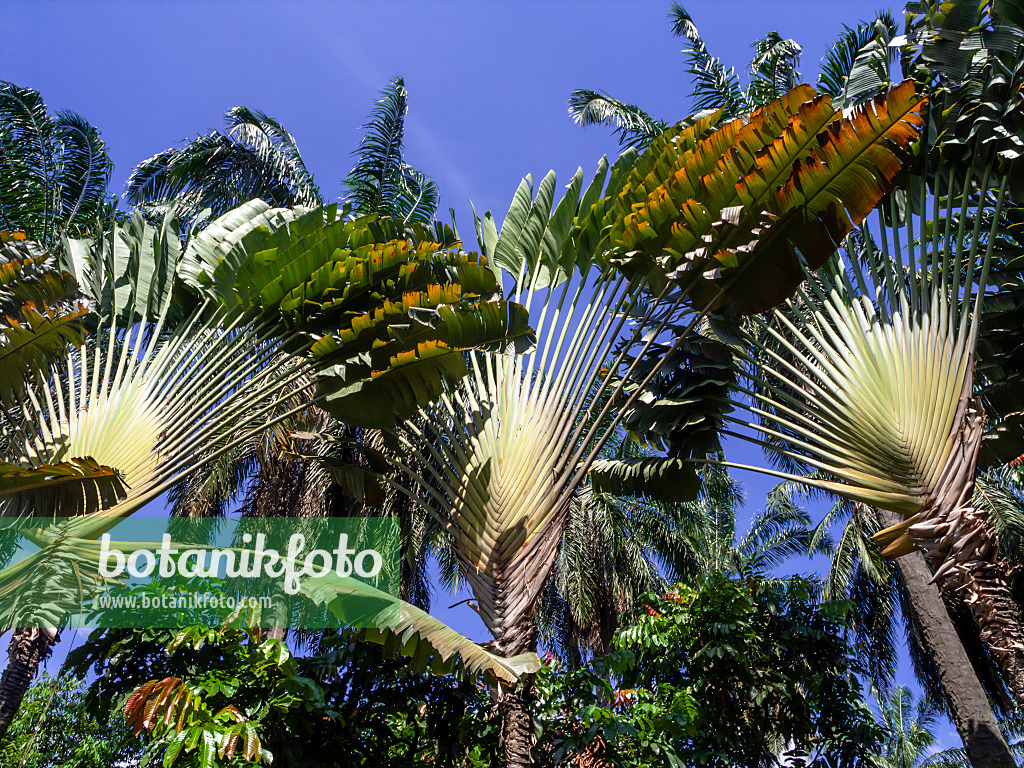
(884, 406)
(155, 399)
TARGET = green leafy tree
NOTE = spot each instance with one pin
(909, 726)
(345, 704)
(734, 672)
(613, 546)
(55, 729)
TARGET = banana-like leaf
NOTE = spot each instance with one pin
(130, 267)
(535, 236)
(40, 318)
(70, 487)
(663, 479)
(740, 208)
(384, 323)
(28, 276)
(680, 409)
(868, 374)
(224, 240)
(33, 344)
(406, 630)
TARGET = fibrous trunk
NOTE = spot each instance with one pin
(27, 649)
(966, 699)
(515, 705)
(962, 547)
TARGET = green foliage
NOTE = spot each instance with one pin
(382, 182)
(255, 157)
(54, 170)
(858, 66)
(735, 672)
(714, 86)
(773, 72)
(383, 311)
(55, 729)
(346, 705)
(40, 316)
(634, 127)
(733, 212)
(909, 725)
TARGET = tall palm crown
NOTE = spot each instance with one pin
(254, 157)
(909, 726)
(773, 72)
(382, 182)
(54, 170)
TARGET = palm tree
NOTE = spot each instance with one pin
(382, 182)
(871, 337)
(505, 452)
(779, 532)
(255, 157)
(54, 170)
(948, 657)
(909, 726)
(773, 72)
(154, 395)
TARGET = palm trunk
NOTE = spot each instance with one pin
(966, 699)
(962, 547)
(515, 705)
(516, 723)
(27, 649)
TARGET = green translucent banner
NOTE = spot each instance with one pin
(271, 572)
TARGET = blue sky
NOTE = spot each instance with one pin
(488, 83)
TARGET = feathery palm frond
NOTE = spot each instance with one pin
(859, 64)
(54, 170)
(254, 157)
(773, 69)
(908, 724)
(634, 127)
(715, 87)
(381, 181)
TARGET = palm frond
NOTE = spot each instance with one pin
(256, 158)
(715, 87)
(381, 181)
(54, 170)
(773, 69)
(634, 127)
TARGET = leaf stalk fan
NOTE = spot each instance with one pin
(498, 459)
(866, 375)
(709, 213)
(117, 423)
(286, 298)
